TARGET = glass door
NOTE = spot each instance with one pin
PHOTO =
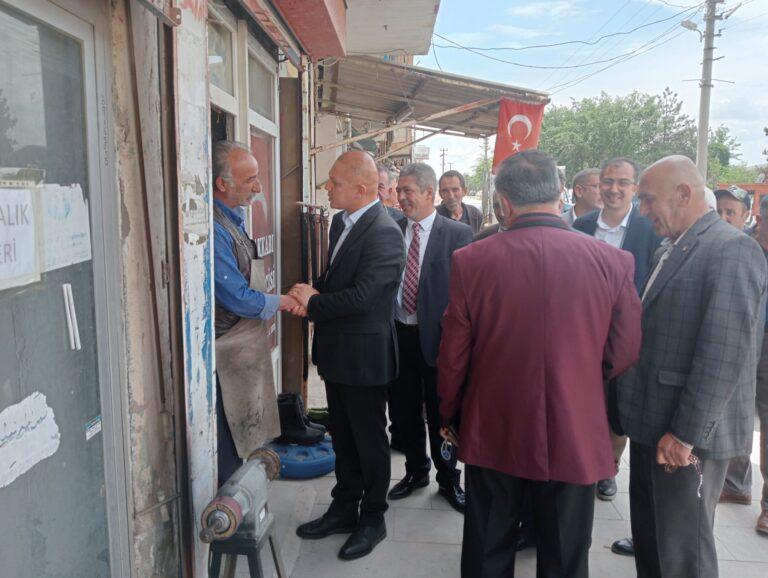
(52, 445)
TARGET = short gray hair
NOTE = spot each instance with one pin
(422, 173)
(582, 176)
(528, 178)
(220, 158)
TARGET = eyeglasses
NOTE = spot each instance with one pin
(622, 183)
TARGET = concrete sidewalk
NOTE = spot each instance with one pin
(424, 536)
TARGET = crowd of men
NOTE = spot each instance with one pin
(532, 351)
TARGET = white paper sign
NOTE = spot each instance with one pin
(66, 226)
(18, 249)
(28, 435)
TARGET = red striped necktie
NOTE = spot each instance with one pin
(411, 283)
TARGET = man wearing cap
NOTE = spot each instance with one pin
(733, 206)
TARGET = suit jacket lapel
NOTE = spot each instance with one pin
(677, 257)
(433, 245)
(631, 237)
(591, 225)
(354, 234)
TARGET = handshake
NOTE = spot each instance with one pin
(297, 300)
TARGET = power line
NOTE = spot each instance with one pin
(628, 56)
(565, 43)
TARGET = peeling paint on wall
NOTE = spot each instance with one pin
(28, 435)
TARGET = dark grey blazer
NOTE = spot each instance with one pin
(703, 321)
(640, 240)
(446, 236)
(355, 342)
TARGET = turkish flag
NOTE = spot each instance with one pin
(519, 129)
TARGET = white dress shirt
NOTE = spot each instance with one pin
(349, 221)
(612, 235)
(426, 228)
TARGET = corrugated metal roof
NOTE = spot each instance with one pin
(374, 90)
(379, 27)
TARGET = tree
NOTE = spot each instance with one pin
(641, 126)
(475, 179)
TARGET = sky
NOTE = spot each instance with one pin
(665, 55)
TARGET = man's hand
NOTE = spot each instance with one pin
(290, 304)
(447, 434)
(671, 451)
(302, 292)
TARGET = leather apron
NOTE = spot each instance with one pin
(244, 368)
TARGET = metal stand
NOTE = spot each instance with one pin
(245, 544)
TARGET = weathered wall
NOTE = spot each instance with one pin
(153, 495)
(196, 222)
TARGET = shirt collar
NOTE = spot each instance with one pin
(351, 218)
(235, 215)
(425, 224)
(622, 225)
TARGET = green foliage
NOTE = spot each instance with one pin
(476, 178)
(641, 126)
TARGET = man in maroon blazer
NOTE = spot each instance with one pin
(520, 373)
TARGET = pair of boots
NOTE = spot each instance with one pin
(295, 426)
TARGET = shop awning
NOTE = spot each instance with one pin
(386, 93)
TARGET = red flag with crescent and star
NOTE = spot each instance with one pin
(519, 129)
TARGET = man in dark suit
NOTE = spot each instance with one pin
(452, 189)
(355, 351)
(620, 224)
(385, 196)
(688, 406)
(421, 301)
(520, 373)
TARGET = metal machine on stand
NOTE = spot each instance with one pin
(237, 521)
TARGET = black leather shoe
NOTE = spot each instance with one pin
(623, 547)
(363, 541)
(606, 489)
(454, 495)
(405, 487)
(326, 525)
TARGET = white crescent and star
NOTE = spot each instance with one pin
(528, 125)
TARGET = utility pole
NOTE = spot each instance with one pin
(702, 144)
(442, 157)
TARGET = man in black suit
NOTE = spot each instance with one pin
(619, 223)
(355, 351)
(421, 301)
(452, 190)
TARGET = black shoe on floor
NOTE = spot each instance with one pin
(606, 489)
(363, 541)
(326, 525)
(623, 547)
(405, 487)
(454, 495)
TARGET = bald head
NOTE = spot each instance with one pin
(352, 181)
(672, 195)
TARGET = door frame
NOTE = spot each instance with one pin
(87, 22)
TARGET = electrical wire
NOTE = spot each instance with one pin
(434, 53)
(555, 44)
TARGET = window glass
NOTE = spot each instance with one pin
(261, 88)
(220, 63)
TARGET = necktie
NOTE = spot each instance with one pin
(411, 282)
(657, 270)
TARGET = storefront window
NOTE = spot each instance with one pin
(220, 61)
(261, 88)
(263, 216)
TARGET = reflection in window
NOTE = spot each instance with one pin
(261, 88)
(220, 55)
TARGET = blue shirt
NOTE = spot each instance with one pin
(231, 289)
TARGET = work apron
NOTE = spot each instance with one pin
(244, 367)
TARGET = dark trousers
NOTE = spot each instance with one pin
(358, 422)
(416, 388)
(672, 527)
(226, 452)
(563, 514)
